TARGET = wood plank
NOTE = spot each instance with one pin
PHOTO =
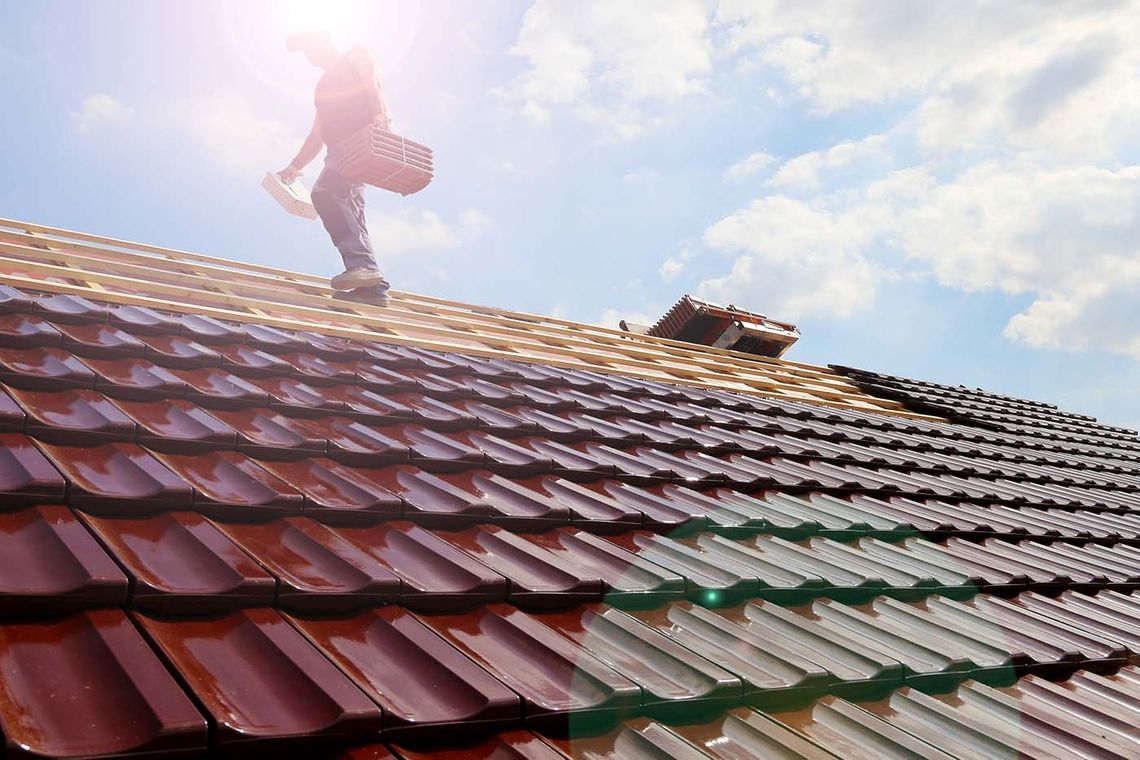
(253, 288)
(162, 304)
(210, 277)
(315, 283)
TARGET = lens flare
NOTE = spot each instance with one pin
(322, 15)
(256, 33)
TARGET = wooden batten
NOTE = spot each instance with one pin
(48, 259)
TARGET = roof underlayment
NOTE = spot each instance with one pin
(238, 516)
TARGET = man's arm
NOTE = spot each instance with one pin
(309, 150)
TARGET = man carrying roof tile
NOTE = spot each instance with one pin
(348, 97)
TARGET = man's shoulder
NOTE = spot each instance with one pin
(359, 56)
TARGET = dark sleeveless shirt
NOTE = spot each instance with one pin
(342, 101)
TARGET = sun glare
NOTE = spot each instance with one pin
(323, 15)
(256, 31)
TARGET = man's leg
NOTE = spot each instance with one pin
(340, 204)
(361, 242)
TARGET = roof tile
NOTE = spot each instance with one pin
(99, 340)
(676, 683)
(422, 683)
(43, 369)
(316, 569)
(50, 564)
(231, 484)
(684, 551)
(115, 478)
(218, 388)
(73, 416)
(63, 673)
(539, 580)
(260, 681)
(135, 379)
(178, 351)
(336, 492)
(562, 686)
(28, 331)
(180, 563)
(177, 426)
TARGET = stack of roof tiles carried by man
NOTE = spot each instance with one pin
(240, 517)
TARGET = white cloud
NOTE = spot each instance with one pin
(807, 286)
(607, 62)
(803, 172)
(675, 265)
(1005, 164)
(750, 165)
(400, 232)
(983, 70)
(474, 221)
(1038, 93)
(1067, 238)
(838, 53)
(795, 259)
(229, 132)
(100, 109)
(1104, 316)
(671, 269)
(538, 114)
(1022, 228)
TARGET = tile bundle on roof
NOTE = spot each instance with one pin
(252, 540)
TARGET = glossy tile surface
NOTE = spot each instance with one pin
(50, 563)
(421, 682)
(180, 563)
(59, 677)
(260, 680)
(316, 570)
(562, 686)
(118, 478)
(339, 548)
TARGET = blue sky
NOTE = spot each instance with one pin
(942, 190)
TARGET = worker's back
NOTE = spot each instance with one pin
(347, 99)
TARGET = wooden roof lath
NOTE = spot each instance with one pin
(50, 259)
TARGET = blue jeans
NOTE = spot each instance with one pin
(340, 204)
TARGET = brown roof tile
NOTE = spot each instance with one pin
(446, 527)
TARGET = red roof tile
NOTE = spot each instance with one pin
(61, 675)
(335, 546)
(180, 563)
(260, 681)
(316, 570)
(50, 564)
(420, 681)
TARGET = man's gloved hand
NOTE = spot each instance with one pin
(289, 173)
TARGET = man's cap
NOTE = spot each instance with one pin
(305, 39)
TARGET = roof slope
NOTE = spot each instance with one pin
(990, 410)
(325, 540)
(120, 272)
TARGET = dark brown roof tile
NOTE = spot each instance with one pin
(261, 682)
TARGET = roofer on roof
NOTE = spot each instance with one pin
(348, 97)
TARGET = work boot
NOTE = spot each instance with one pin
(377, 295)
(356, 277)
